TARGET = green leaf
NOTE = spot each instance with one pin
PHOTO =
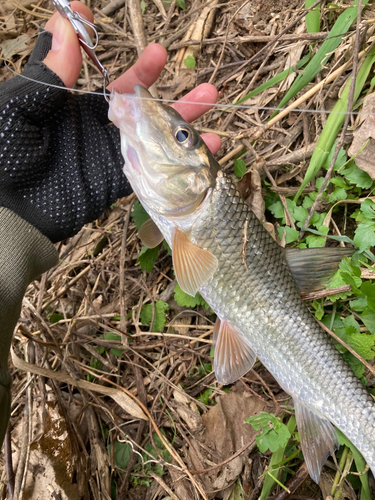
(274, 434)
(356, 176)
(111, 336)
(314, 241)
(351, 324)
(300, 214)
(364, 236)
(335, 282)
(347, 266)
(319, 309)
(190, 61)
(122, 453)
(239, 168)
(358, 368)
(160, 318)
(340, 160)
(139, 214)
(205, 397)
(147, 258)
(276, 463)
(359, 304)
(368, 209)
(185, 300)
(338, 194)
(340, 182)
(277, 210)
(181, 4)
(55, 317)
(363, 344)
(368, 318)
(290, 234)
(167, 247)
(368, 290)
(143, 6)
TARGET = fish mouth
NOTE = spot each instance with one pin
(125, 112)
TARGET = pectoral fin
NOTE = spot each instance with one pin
(193, 265)
(313, 267)
(318, 439)
(150, 234)
(233, 354)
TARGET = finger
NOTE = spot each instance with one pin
(213, 142)
(65, 57)
(204, 93)
(144, 72)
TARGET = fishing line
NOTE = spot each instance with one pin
(225, 107)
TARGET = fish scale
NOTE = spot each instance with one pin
(263, 302)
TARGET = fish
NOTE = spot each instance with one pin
(254, 286)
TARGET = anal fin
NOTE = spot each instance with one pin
(233, 354)
(318, 439)
(150, 234)
(193, 265)
(313, 267)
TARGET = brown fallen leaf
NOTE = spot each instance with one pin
(14, 46)
(187, 410)
(121, 398)
(50, 468)
(202, 28)
(250, 188)
(363, 145)
(224, 434)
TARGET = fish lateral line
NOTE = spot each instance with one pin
(224, 107)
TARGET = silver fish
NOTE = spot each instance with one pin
(221, 249)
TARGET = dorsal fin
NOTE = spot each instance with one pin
(233, 354)
(313, 267)
(318, 438)
(150, 234)
(193, 265)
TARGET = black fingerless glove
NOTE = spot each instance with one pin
(60, 160)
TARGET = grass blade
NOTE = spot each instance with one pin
(359, 463)
(312, 18)
(276, 79)
(334, 38)
(334, 122)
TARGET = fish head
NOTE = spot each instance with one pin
(167, 163)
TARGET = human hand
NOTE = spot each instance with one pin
(61, 164)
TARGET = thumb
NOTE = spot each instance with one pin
(65, 57)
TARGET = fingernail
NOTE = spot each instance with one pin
(58, 33)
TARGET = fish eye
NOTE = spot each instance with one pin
(184, 137)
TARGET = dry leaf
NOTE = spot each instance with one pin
(19, 45)
(50, 456)
(224, 433)
(363, 134)
(187, 410)
(121, 398)
(250, 188)
(202, 28)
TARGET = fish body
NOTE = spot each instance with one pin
(249, 283)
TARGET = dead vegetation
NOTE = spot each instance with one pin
(103, 405)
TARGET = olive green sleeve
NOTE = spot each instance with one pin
(24, 254)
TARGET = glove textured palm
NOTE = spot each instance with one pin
(60, 159)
